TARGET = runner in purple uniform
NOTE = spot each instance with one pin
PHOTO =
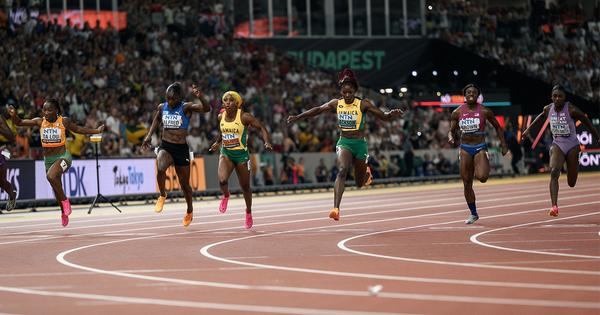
(565, 146)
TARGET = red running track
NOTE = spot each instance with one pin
(398, 250)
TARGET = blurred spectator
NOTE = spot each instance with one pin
(514, 147)
(267, 170)
(442, 164)
(554, 45)
(384, 165)
(76, 145)
(321, 172)
(409, 157)
(333, 172)
(197, 141)
(300, 170)
(101, 75)
(428, 167)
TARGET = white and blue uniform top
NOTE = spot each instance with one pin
(174, 118)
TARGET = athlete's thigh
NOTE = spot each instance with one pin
(557, 157)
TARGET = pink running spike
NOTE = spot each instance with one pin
(554, 211)
(223, 205)
(65, 219)
(248, 220)
(66, 207)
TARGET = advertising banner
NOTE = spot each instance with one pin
(197, 177)
(117, 177)
(116, 19)
(21, 174)
(589, 157)
(378, 62)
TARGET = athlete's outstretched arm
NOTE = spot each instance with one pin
(23, 122)
(367, 106)
(315, 111)
(489, 115)
(155, 122)
(203, 107)
(538, 119)
(577, 114)
(80, 129)
(453, 133)
(249, 120)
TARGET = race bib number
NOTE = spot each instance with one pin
(172, 121)
(470, 124)
(347, 121)
(230, 141)
(51, 135)
(559, 126)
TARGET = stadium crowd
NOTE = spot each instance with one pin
(119, 77)
(555, 44)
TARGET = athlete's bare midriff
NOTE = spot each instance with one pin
(353, 134)
(175, 135)
(54, 151)
(472, 139)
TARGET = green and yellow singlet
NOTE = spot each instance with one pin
(233, 133)
(349, 116)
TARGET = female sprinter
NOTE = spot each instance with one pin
(565, 145)
(174, 114)
(233, 129)
(53, 134)
(470, 118)
(351, 148)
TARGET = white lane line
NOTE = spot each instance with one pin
(457, 228)
(296, 213)
(399, 200)
(567, 226)
(404, 200)
(50, 287)
(61, 259)
(342, 245)
(190, 304)
(277, 208)
(475, 238)
(288, 310)
(205, 252)
(128, 234)
(564, 233)
(31, 236)
(373, 245)
(87, 273)
(202, 205)
(528, 262)
(523, 241)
